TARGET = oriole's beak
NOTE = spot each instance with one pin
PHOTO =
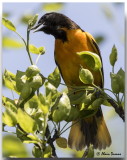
(38, 27)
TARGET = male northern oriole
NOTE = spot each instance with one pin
(70, 39)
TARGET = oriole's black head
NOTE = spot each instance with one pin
(52, 23)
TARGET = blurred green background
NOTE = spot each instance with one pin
(105, 21)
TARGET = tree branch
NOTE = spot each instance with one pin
(51, 140)
(119, 109)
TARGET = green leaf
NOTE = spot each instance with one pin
(74, 114)
(106, 103)
(77, 97)
(9, 80)
(47, 152)
(44, 104)
(32, 70)
(54, 78)
(25, 18)
(96, 104)
(8, 42)
(28, 124)
(9, 118)
(90, 153)
(35, 50)
(86, 76)
(113, 56)
(99, 39)
(12, 146)
(80, 95)
(63, 109)
(108, 12)
(37, 152)
(39, 118)
(26, 91)
(33, 137)
(88, 99)
(30, 141)
(36, 82)
(22, 135)
(6, 14)
(20, 80)
(121, 75)
(91, 59)
(52, 6)
(61, 142)
(8, 24)
(51, 91)
(9, 104)
(33, 20)
(115, 82)
(41, 50)
(32, 105)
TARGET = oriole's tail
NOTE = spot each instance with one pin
(92, 130)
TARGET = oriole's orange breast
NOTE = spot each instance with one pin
(67, 59)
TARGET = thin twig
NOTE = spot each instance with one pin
(58, 126)
(37, 59)
(109, 91)
(69, 127)
(64, 126)
(122, 98)
(26, 44)
(21, 38)
(54, 124)
(50, 133)
(51, 140)
(27, 47)
(69, 86)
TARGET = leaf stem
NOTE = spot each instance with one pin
(104, 93)
(113, 69)
(58, 127)
(27, 46)
(109, 90)
(122, 98)
(21, 38)
(69, 127)
(64, 126)
(37, 59)
(50, 133)
(54, 124)
(72, 87)
(117, 97)
(45, 125)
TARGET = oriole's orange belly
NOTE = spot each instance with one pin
(69, 62)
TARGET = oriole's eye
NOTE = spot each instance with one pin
(44, 17)
(41, 20)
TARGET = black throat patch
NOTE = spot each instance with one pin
(61, 34)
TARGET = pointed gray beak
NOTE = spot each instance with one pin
(37, 28)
